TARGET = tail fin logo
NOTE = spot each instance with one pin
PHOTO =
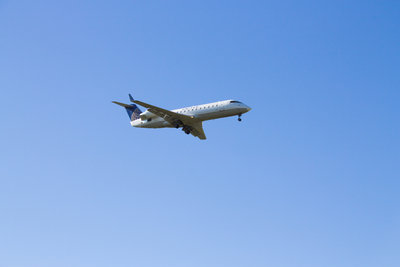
(135, 113)
(132, 110)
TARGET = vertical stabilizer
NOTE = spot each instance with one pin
(132, 110)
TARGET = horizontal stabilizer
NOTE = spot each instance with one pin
(132, 110)
(122, 104)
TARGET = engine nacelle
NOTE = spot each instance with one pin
(147, 115)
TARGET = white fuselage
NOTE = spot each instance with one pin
(204, 112)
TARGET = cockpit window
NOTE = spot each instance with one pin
(234, 101)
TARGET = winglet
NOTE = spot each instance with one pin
(131, 98)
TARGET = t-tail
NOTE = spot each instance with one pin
(132, 110)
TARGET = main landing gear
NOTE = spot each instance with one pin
(178, 124)
(186, 129)
(239, 117)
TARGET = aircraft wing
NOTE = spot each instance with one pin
(167, 115)
(197, 130)
(173, 117)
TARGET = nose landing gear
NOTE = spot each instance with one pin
(239, 117)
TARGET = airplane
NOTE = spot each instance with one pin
(190, 119)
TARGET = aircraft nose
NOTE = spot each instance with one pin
(247, 108)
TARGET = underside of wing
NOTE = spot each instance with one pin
(170, 116)
(197, 130)
(189, 123)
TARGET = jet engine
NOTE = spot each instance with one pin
(146, 115)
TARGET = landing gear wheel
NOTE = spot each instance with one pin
(178, 124)
(186, 129)
(240, 119)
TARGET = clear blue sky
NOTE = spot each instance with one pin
(309, 178)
